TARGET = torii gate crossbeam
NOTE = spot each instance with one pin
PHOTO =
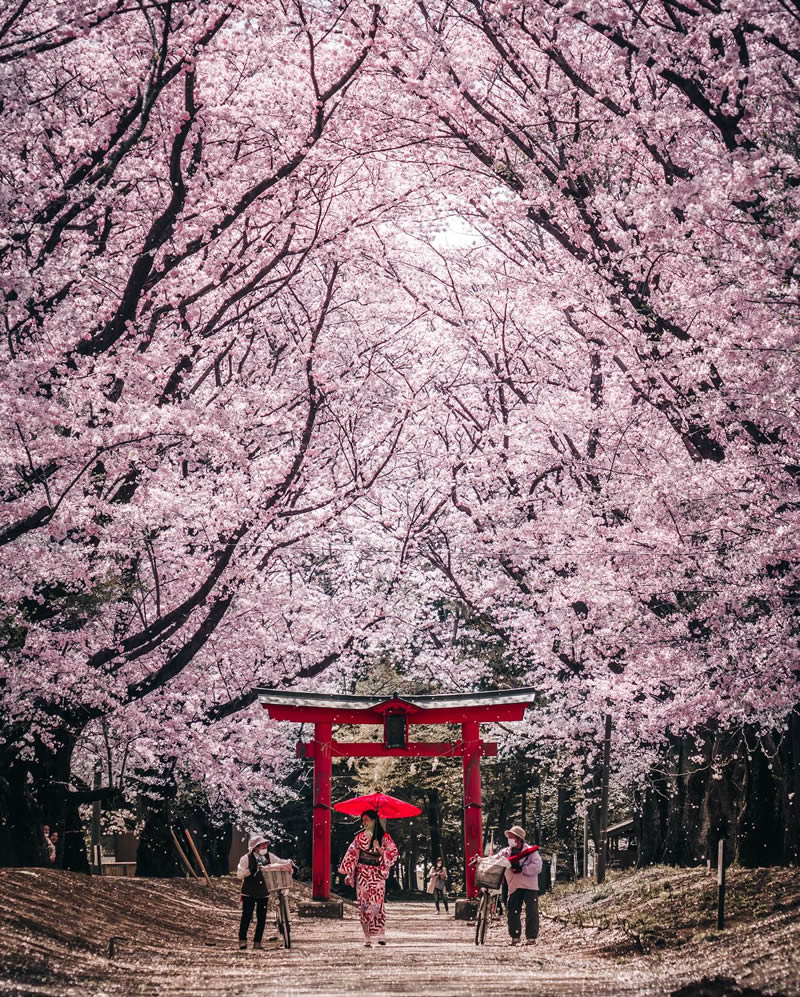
(467, 709)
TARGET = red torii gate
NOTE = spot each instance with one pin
(395, 714)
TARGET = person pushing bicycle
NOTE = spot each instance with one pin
(254, 892)
(522, 877)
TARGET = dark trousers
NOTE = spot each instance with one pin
(249, 904)
(440, 897)
(515, 901)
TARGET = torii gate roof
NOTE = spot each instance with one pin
(485, 707)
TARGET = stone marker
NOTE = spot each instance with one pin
(466, 910)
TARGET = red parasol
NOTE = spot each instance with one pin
(523, 854)
(387, 806)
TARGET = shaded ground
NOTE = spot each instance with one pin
(651, 933)
(669, 917)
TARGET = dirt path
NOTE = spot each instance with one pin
(175, 938)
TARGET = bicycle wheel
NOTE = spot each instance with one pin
(283, 916)
(483, 918)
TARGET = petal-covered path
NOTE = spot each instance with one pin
(174, 938)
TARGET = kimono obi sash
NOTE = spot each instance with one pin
(368, 858)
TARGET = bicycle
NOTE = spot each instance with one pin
(278, 879)
(489, 877)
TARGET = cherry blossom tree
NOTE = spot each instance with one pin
(459, 332)
(183, 403)
(640, 165)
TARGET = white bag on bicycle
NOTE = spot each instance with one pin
(490, 871)
(277, 876)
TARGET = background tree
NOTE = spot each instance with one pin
(461, 334)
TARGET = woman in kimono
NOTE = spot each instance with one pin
(366, 866)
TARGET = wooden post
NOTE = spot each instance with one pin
(603, 843)
(185, 861)
(721, 884)
(97, 852)
(196, 854)
(586, 845)
(321, 847)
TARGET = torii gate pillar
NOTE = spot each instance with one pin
(321, 846)
(473, 811)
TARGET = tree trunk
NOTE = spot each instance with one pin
(565, 807)
(739, 789)
(502, 817)
(602, 851)
(21, 818)
(213, 841)
(766, 808)
(156, 854)
(652, 821)
(593, 778)
(412, 858)
(35, 792)
(434, 815)
(672, 801)
(790, 758)
(74, 856)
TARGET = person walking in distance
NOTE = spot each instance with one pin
(53, 850)
(49, 848)
(437, 883)
(523, 885)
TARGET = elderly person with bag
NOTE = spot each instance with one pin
(255, 896)
(522, 877)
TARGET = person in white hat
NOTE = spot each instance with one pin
(255, 895)
(523, 885)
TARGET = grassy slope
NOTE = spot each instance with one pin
(667, 907)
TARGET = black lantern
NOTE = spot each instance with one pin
(395, 729)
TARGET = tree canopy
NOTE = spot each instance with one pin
(462, 332)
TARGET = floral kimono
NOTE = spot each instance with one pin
(370, 881)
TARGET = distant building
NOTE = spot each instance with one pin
(118, 853)
(623, 844)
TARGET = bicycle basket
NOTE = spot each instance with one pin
(489, 874)
(277, 877)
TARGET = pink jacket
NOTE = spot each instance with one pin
(523, 875)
